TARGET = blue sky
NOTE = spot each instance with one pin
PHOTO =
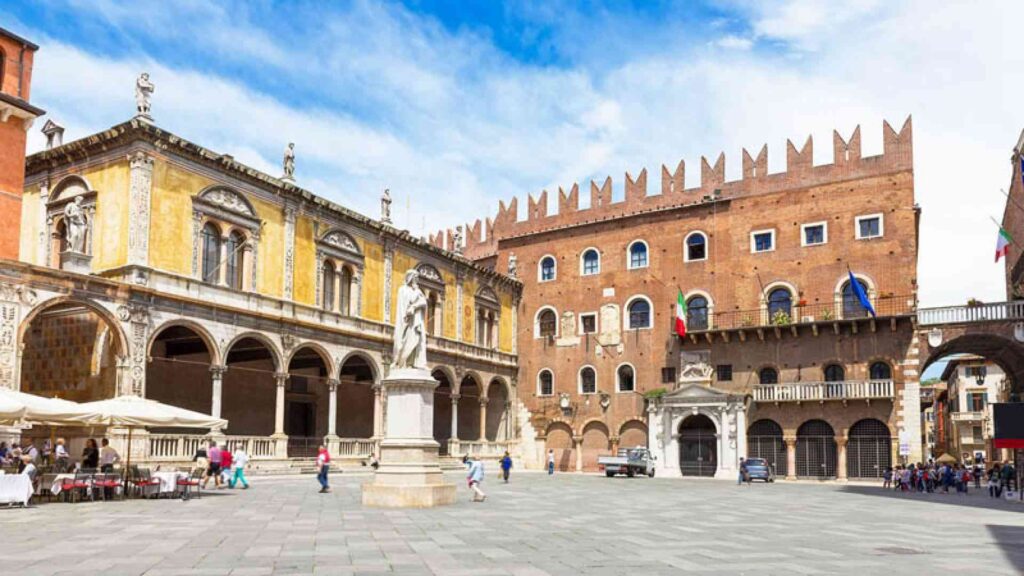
(455, 105)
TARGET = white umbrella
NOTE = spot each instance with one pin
(11, 412)
(49, 411)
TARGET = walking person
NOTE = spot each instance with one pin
(474, 477)
(887, 478)
(994, 490)
(214, 455)
(506, 466)
(551, 461)
(238, 461)
(226, 470)
(743, 472)
(323, 465)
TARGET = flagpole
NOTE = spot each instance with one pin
(1000, 226)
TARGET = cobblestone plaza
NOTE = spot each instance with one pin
(566, 524)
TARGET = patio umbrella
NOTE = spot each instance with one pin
(11, 412)
(132, 411)
(48, 411)
(946, 459)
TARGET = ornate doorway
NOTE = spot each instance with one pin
(698, 446)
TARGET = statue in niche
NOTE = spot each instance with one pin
(457, 240)
(289, 161)
(410, 346)
(143, 92)
(513, 265)
(385, 207)
(74, 222)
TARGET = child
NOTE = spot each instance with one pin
(887, 478)
(506, 466)
(474, 477)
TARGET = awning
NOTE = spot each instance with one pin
(135, 411)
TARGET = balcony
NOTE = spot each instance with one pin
(803, 315)
(826, 391)
(967, 416)
(971, 314)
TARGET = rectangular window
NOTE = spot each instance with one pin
(978, 436)
(668, 375)
(869, 226)
(975, 401)
(814, 234)
(724, 372)
(588, 323)
(762, 241)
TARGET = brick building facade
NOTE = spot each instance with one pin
(16, 117)
(764, 265)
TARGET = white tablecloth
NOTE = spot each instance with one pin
(58, 480)
(15, 488)
(168, 480)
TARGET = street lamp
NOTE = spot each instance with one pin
(979, 374)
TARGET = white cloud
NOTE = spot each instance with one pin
(451, 125)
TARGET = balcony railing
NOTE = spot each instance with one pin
(797, 314)
(967, 416)
(476, 448)
(184, 446)
(822, 391)
(971, 313)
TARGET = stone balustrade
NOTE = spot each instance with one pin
(485, 449)
(971, 313)
(825, 391)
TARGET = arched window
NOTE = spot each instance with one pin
(328, 303)
(638, 254)
(547, 323)
(211, 253)
(768, 375)
(639, 314)
(545, 383)
(780, 302)
(624, 375)
(880, 371)
(234, 264)
(834, 373)
(697, 313)
(852, 308)
(591, 262)
(588, 381)
(696, 247)
(547, 269)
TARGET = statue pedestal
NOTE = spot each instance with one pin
(76, 262)
(409, 475)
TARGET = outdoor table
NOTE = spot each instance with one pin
(58, 480)
(15, 488)
(168, 480)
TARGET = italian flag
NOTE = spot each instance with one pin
(1002, 244)
(680, 315)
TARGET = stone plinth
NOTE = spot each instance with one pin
(409, 475)
(76, 262)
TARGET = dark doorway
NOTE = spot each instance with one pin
(698, 446)
(764, 440)
(816, 450)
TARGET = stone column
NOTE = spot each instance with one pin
(841, 464)
(336, 305)
(389, 257)
(577, 442)
(332, 408)
(459, 276)
(289, 251)
(140, 189)
(741, 432)
(356, 293)
(455, 416)
(614, 440)
(222, 271)
(483, 419)
(281, 379)
(217, 377)
(790, 457)
(378, 411)
(509, 427)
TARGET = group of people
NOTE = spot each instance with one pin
(224, 466)
(28, 458)
(932, 477)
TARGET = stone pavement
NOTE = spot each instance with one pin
(565, 524)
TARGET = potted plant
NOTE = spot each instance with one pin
(780, 318)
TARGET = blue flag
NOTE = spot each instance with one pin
(861, 295)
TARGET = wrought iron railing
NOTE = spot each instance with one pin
(797, 314)
(979, 312)
(821, 391)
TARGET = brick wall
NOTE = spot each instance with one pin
(69, 354)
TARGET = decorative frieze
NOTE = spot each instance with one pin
(289, 251)
(140, 191)
(389, 258)
(137, 318)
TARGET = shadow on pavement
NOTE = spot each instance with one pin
(973, 499)
(1010, 540)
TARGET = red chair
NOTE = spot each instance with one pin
(107, 484)
(193, 480)
(77, 486)
(143, 480)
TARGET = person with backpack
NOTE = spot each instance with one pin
(506, 466)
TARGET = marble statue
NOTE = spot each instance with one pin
(74, 222)
(457, 240)
(513, 265)
(143, 91)
(385, 207)
(410, 347)
(289, 161)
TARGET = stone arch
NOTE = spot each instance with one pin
(558, 437)
(583, 254)
(709, 321)
(869, 448)
(838, 291)
(816, 452)
(197, 328)
(307, 399)
(320, 350)
(115, 325)
(182, 356)
(75, 184)
(443, 405)
(629, 254)
(540, 268)
(358, 375)
(536, 320)
(699, 433)
(619, 377)
(498, 419)
(626, 321)
(1003, 351)
(471, 393)
(633, 433)
(275, 352)
(596, 443)
(765, 440)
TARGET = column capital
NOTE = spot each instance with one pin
(789, 440)
(841, 441)
(455, 398)
(280, 378)
(577, 439)
(483, 401)
(218, 370)
(332, 384)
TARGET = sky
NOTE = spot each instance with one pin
(456, 105)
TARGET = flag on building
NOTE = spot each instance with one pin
(862, 296)
(680, 315)
(1002, 243)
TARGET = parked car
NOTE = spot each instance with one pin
(630, 461)
(760, 469)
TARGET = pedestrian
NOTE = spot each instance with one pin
(213, 454)
(993, 481)
(61, 456)
(887, 478)
(551, 461)
(238, 461)
(323, 465)
(1007, 476)
(108, 456)
(226, 471)
(743, 472)
(374, 462)
(90, 455)
(474, 476)
(976, 473)
(506, 466)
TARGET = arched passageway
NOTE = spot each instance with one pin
(178, 372)
(497, 411)
(869, 449)
(816, 450)
(355, 398)
(596, 442)
(764, 440)
(469, 410)
(633, 435)
(442, 410)
(698, 446)
(249, 389)
(306, 402)
(559, 440)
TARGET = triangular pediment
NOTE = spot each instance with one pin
(696, 391)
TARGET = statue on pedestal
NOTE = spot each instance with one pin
(385, 207)
(513, 265)
(457, 240)
(143, 91)
(289, 162)
(74, 222)
(410, 346)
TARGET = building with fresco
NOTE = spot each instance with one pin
(780, 359)
(203, 283)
